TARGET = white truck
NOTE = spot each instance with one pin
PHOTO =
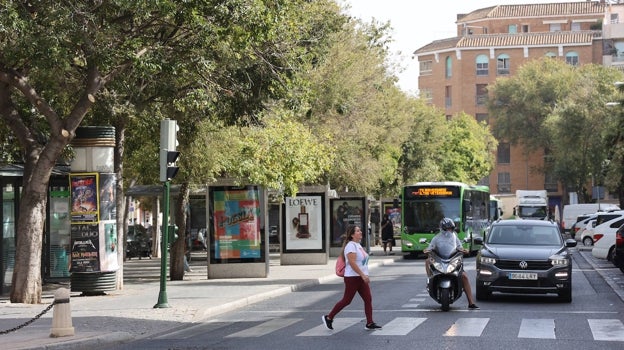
(532, 205)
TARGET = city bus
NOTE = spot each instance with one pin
(424, 204)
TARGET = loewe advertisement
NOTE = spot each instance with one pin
(304, 225)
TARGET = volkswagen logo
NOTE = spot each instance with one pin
(523, 265)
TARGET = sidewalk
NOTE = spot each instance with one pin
(130, 314)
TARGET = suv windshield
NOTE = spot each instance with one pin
(524, 235)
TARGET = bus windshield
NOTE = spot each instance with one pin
(424, 215)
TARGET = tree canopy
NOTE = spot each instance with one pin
(281, 93)
(563, 110)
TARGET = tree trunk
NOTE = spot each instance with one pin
(178, 248)
(26, 280)
(120, 139)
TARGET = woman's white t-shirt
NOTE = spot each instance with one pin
(361, 259)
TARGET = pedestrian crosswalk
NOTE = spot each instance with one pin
(530, 328)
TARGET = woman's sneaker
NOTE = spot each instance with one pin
(372, 326)
(327, 322)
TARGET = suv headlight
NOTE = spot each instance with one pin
(488, 260)
(559, 261)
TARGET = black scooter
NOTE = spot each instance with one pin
(444, 282)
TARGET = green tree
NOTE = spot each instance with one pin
(355, 105)
(468, 150)
(561, 109)
(439, 150)
(159, 59)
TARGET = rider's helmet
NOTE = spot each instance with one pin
(447, 224)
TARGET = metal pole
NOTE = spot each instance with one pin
(162, 296)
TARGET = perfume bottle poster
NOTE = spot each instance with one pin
(304, 222)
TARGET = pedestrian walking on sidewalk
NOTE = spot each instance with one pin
(387, 234)
(355, 279)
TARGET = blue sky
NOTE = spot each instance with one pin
(417, 23)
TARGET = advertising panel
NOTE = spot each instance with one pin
(85, 249)
(84, 197)
(236, 223)
(345, 212)
(304, 222)
(394, 214)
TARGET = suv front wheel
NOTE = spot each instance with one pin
(565, 295)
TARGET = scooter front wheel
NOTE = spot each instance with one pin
(445, 299)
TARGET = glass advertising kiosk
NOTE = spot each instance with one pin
(237, 226)
(93, 227)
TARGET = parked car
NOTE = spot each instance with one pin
(586, 234)
(138, 242)
(618, 255)
(571, 212)
(604, 238)
(580, 223)
(524, 256)
(273, 235)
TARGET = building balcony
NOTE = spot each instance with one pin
(613, 31)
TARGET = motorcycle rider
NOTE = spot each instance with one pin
(445, 243)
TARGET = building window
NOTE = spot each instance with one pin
(550, 183)
(576, 27)
(427, 95)
(525, 28)
(502, 65)
(504, 182)
(512, 29)
(555, 27)
(481, 94)
(503, 154)
(551, 54)
(449, 67)
(572, 58)
(426, 67)
(482, 118)
(448, 102)
(482, 65)
(615, 18)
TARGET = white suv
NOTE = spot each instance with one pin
(604, 235)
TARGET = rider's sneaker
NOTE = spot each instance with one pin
(473, 307)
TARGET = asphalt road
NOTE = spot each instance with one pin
(411, 319)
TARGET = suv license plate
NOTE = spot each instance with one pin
(522, 276)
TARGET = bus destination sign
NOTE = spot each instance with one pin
(433, 192)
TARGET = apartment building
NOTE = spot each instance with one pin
(495, 42)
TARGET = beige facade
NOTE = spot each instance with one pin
(495, 42)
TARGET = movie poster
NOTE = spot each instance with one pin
(304, 225)
(237, 214)
(84, 197)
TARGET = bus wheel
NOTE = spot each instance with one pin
(411, 255)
